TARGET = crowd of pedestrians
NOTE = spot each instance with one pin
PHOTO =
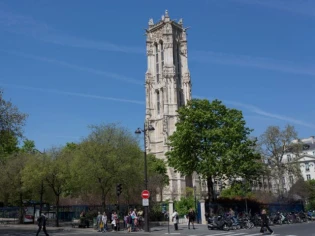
(133, 221)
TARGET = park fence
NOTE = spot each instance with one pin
(252, 207)
(70, 212)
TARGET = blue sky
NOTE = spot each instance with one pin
(69, 64)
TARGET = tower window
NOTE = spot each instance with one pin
(307, 167)
(158, 102)
(179, 76)
(179, 65)
(162, 55)
(157, 63)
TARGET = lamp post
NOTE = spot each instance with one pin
(245, 193)
(41, 192)
(146, 208)
(196, 211)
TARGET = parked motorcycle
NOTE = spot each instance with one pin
(218, 222)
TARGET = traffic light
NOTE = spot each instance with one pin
(118, 189)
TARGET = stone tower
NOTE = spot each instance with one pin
(168, 87)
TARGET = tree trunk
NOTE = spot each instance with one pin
(103, 200)
(41, 192)
(57, 210)
(6, 199)
(161, 193)
(210, 188)
(21, 216)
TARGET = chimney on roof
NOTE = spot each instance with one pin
(313, 139)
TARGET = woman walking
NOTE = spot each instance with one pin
(265, 222)
(191, 218)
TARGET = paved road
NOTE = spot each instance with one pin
(304, 229)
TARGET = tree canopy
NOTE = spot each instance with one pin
(274, 144)
(11, 119)
(213, 141)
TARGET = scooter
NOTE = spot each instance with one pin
(218, 222)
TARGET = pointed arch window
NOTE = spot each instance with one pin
(158, 102)
(162, 55)
(157, 68)
(179, 66)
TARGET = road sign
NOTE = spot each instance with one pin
(145, 202)
(145, 194)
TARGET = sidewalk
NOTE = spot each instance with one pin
(154, 229)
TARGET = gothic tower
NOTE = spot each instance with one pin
(168, 87)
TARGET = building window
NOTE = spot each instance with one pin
(158, 102)
(289, 157)
(157, 63)
(308, 177)
(307, 167)
(291, 179)
(283, 181)
(162, 55)
(179, 66)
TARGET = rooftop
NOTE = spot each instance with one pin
(164, 19)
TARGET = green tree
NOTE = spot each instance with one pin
(108, 156)
(11, 119)
(33, 176)
(237, 190)
(157, 175)
(213, 141)
(56, 173)
(311, 194)
(184, 204)
(13, 183)
(274, 144)
(8, 144)
(28, 146)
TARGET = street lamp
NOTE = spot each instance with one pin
(245, 193)
(41, 192)
(196, 211)
(146, 208)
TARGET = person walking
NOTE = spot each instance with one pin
(191, 218)
(104, 222)
(175, 219)
(42, 224)
(265, 222)
(98, 221)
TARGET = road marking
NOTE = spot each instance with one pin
(255, 234)
(221, 234)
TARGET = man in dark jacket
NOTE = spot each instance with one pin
(42, 224)
(191, 218)
(265, 222)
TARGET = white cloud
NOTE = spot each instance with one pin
(76, 67)
(250, 61)
(72, 93)
(263, 113)
(28, 26)
(40, 31)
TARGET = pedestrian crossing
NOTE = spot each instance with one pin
(51, 233)
(231, 233)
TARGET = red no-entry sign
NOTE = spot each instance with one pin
(145, 194)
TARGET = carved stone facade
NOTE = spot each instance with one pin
(168, 86)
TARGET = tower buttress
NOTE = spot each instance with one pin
(167, 87)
